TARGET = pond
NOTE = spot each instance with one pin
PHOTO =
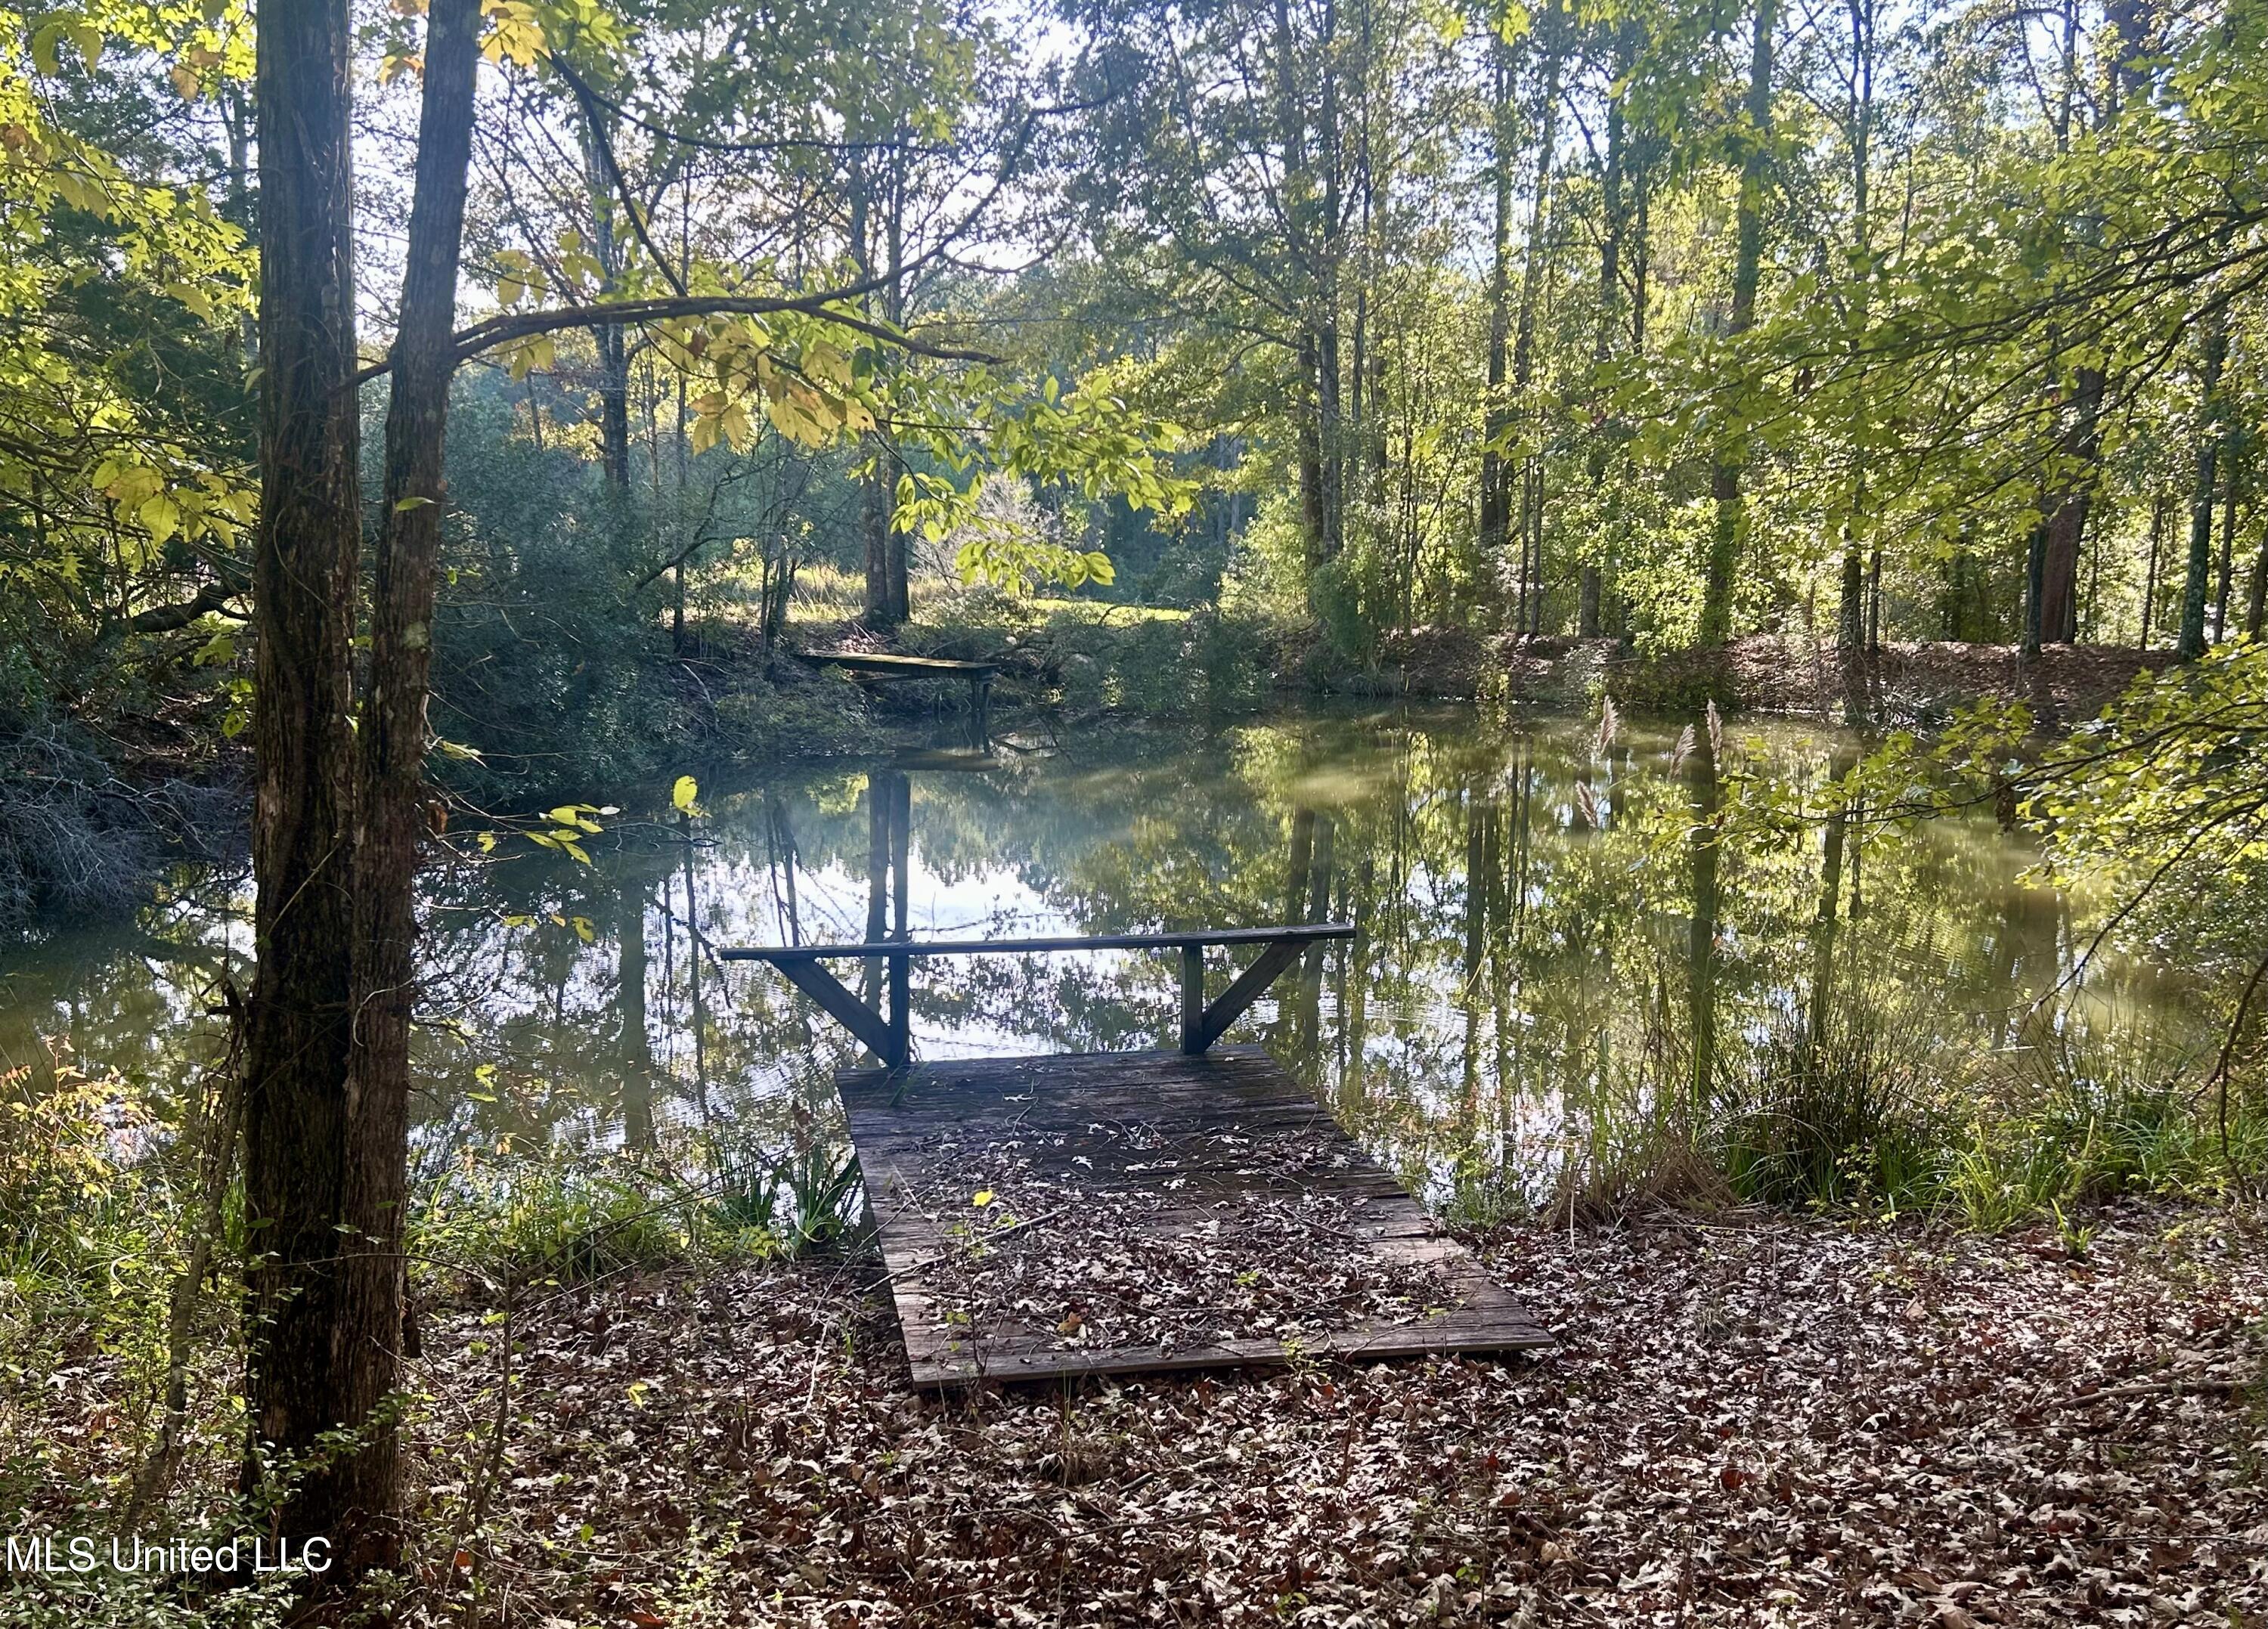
(1557, 934)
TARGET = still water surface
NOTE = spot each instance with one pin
(1549, 928)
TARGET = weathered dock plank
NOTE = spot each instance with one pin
(1148, 1210)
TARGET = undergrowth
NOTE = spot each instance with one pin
(100, 1213)
(1087, 657)
(1847, 1119)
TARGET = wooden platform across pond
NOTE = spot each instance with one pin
(1147, 1210)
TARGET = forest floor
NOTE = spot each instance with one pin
(1751, 1420)
(1905, 682)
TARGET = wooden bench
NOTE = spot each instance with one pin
(888, 1038)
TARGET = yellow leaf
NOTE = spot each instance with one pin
(162, 516)
(826, 364)
(195, 297)
(982, 1197)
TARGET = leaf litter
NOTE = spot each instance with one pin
(1760, 1420)
(1062, 1253)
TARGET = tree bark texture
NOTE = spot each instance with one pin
(327, 1061)
(306, 561)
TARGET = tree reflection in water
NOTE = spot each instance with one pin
(1525, 904)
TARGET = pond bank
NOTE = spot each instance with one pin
(81, 835)
(1904, 682)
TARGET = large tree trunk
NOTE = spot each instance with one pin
(326, 1126)
(1748, 265)
(296, 1118)
(393, 732)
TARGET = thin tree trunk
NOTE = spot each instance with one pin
(2210, 430)
(1849, 622)
(2150, 573)
(1531, 287)
(1303, 853)
(2036, 575)
(2228, 552)
(392, 740)
(898, 601)
(607, 339)
(1831, 893)
(2255, 611)
(630, 1013)
(1874, 600)
(1701, 942)
(1748, 265)
(1495, 494)
(2066, 526)
(1614, 212)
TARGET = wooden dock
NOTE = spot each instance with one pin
(888, 668)
(1116, 1213)
(1113, 1212)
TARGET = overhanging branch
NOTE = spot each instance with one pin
(503, 330)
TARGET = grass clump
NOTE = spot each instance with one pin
(1835, 1117)
(2080, 1118)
